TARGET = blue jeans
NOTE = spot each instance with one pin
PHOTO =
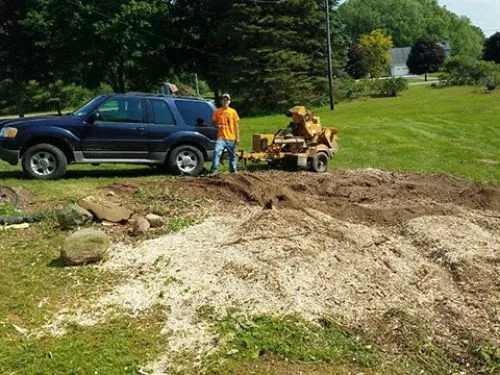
(220, 146)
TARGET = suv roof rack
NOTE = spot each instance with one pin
(159, 95)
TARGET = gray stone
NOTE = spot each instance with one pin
(73, 216)
(105, 210)
(155, 220)
(84, 246)
(139, 226)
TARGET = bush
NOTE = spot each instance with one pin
(464, 70)
(392, 86)
(348, 89)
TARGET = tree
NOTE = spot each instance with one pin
(358, 65)
(123, 43)
(376, 46)
(492, 48)
(21, 57)
(269, 55)
(426, 56)
(407, 20)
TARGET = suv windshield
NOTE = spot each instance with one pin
(84, 109)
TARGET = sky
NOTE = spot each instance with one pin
(484, 14)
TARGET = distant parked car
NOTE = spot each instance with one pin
(118, 128)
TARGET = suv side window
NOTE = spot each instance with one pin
(121, 110)
(161, 113)
(195, 113)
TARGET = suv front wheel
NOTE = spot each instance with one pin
(44, 162)
(186, 160)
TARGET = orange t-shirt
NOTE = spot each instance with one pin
(226, 120)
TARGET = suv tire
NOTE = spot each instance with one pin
(185, 160)
(44, 162)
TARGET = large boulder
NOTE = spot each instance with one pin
(84, 246)
(73, 216)
(105, 210)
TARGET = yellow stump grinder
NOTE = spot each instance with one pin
(304, 143)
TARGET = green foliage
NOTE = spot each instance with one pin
(358, 65)
(490, 357)
(492, 48)
(348, 89)
(8, 209)
(426, 56)
(393, 86)
(289, 337)
(463, 70)
(267, 55)
(407, 20)
(376, 46)
(40, 98)
(178, 223)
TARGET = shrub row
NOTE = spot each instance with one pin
(465, 70)
(347, 88)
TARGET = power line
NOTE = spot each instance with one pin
(95, 11)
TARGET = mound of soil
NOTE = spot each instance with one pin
(367, 195)
(357, 244)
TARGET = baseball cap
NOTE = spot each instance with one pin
(226, 95)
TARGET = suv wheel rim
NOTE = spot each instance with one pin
(186, 161)
(43, 163)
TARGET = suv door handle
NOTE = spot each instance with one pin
(141, 130)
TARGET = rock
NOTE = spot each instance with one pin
(380, 239)
(105, 210)
(84, 246)
(139, 226)
(73, 216)
(155, 220)
(15, 226)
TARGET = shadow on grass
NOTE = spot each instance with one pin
(103, 172)
(94, 173)
(56, 263)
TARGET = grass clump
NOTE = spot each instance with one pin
(288, 338)
(120, 346)
(8, 209)
(489, 358)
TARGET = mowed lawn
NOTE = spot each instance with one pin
(454, 130)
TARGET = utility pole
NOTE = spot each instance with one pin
(196, 82)
(329, 55)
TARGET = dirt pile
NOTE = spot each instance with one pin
(358, 245)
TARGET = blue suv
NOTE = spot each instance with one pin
(120, 128)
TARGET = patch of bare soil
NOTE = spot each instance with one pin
(357, 244)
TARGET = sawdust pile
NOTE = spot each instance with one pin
(354, 244)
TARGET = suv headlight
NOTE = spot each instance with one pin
(8, 132)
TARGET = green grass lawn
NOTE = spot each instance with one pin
(454, 130)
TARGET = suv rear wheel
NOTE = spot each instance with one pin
(187, 160)
(44, 162)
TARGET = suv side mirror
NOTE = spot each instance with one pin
(93, 117)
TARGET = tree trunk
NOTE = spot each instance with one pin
(20, 89)
(425, 76)
(121, 77)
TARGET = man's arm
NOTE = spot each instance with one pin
(237, 125)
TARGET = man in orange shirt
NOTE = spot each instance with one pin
(228, 123)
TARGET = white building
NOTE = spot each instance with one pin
(399, 56)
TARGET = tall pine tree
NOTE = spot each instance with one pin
(269, 55)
